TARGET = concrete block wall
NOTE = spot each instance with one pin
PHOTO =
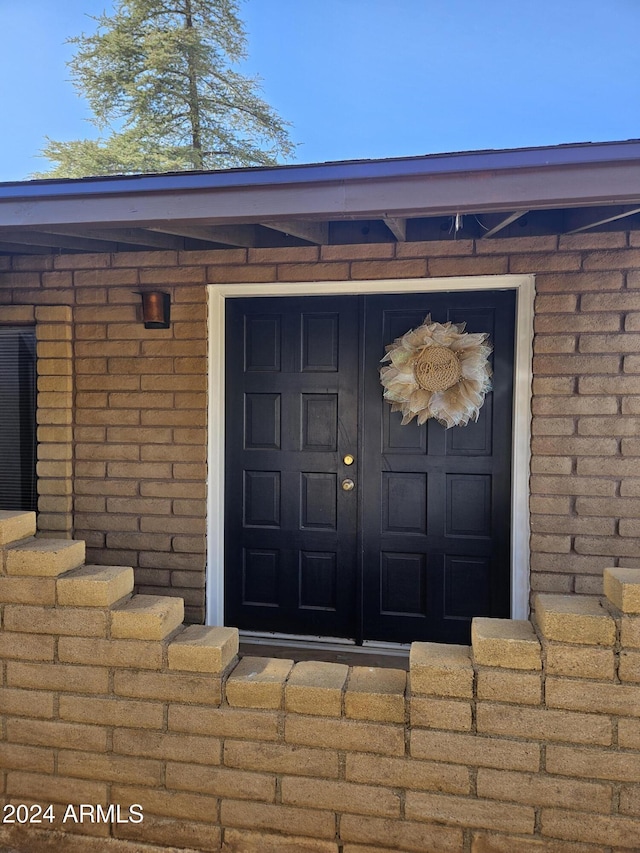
(528, 740)
(139, 415)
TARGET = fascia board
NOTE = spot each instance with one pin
(392, 188)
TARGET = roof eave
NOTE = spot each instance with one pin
(533, 179)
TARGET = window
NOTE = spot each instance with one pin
(18, 418)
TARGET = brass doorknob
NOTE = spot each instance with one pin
(348, 459)
(347, 485)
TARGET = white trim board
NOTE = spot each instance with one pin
(524, 285)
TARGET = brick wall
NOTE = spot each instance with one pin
(528, 740)
(140, 413)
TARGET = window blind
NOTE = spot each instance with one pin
(18, 418)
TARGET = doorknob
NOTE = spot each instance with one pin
(348, 459)
(347, 485)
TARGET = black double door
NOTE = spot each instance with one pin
(341, 522)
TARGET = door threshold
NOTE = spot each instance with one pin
(328, 649)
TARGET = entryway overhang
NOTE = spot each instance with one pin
(561, 189)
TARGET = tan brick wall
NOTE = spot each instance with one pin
(139, 431)
(137, 439)
(268, 755)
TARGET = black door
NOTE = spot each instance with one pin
(292, 414)
(436, 502)
(421, 543)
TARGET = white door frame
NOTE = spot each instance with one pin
(524, 285)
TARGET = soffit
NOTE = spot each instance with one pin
(480, 195)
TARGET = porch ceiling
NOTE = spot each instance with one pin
(480, 195)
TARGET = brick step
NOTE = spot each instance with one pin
(147, 617)
(15, 526)
(579, 619)
(94, 586)
(507, 643)
(441, 669)
(202, 648)
(622, 588)
(44, 557)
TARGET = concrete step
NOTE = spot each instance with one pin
(147, 617)
(44, 557)
(94, 586)
(15, 526)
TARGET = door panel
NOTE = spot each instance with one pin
(436, 502)
(422, 543)
(292, 391)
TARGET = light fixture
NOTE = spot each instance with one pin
(156, 309)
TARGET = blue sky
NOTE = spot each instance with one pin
(371, 78)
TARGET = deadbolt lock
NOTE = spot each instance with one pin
(348, 459)
(347, 485)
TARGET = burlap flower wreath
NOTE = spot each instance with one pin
(437, 371)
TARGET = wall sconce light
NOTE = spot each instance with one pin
(156, 309)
